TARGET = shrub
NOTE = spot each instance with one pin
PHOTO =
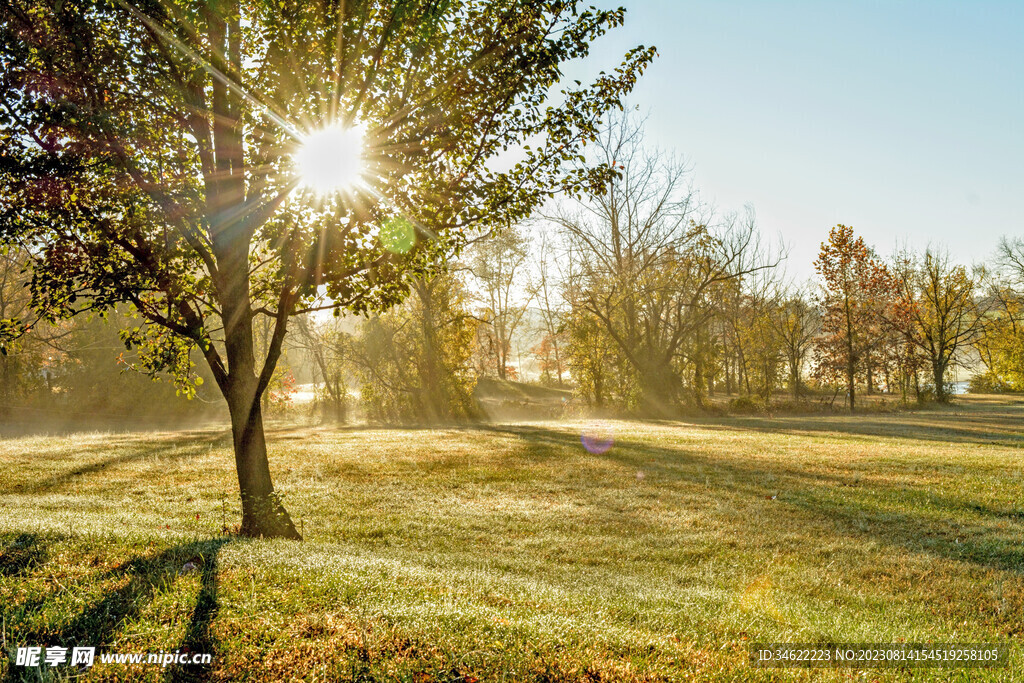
(747, 404)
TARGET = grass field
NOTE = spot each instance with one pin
(510, 553)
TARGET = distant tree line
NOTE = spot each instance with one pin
(642, 299)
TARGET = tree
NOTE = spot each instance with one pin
(543, 289)
(148, 158)
(18, 361)
(499, 264)
(796, 322)
(328, 347)
(414, 361)
(595, 366)
(1000, 339)
(727, 321)
(759, 334)
(71, 371)
(855, 289)
(935, 300)
(652, 264)
(1011, 260)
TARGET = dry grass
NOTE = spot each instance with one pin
(509, 552)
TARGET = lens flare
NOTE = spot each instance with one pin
(398, 235)
(759, 597)
(598, 438)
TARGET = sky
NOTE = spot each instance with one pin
(902, 119)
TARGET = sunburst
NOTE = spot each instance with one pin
(332, 159)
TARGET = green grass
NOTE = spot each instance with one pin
(510, 553)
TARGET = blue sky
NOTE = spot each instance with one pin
(902, 119)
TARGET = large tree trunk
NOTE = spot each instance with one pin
(939, 374)
(262, 511)
(794, 379)
(232, 225)
(658, 384)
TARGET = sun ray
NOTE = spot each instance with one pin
(214, 71)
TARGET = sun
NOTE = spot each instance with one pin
(331, 159)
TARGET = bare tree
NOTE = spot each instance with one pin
(1011, 259)
(499, 265)
(543, 289)
(327, 344)
(652, 262)
(796, 322)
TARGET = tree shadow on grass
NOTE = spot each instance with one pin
(965, 423)
(949, 527)
(141, 580)
(19, 553)
(198, 639)
(25, 422)
(185, 446)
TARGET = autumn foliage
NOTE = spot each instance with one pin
(856, 291)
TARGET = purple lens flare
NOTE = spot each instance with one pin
(598, 438)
